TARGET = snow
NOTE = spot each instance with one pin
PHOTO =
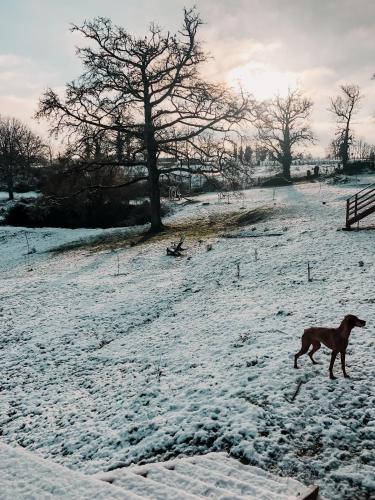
(214, 475)
(266, 170)
(179, 356)
(26, 476)
(28, 194)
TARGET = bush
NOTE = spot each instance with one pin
(210, 184)
(39, 213)
(359, 166)
(66, 201)
(276, 182)
(23, 186)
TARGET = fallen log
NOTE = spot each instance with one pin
(175, 250)
(241, 235)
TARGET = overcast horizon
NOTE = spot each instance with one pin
(266, 45)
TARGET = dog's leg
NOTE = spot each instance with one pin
(304, 349)
(316, 347)
(333, 357)
(296, 356)
(343, 364)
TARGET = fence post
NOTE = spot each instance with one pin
(347, 225)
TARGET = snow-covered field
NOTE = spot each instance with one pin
(264, 171)
(174, 356)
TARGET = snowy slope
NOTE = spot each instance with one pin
(24, 475)
(180, 356)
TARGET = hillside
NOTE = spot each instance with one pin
(112, 357)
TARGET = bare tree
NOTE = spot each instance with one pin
(248, 154)
(362, 149)
(148, 88)
(260, 153)
(19, 149)
(344, 106)
(282, 125)
(333, 149)
(211, 156)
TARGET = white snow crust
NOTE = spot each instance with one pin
(180, 356)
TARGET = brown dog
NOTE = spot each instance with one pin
(335, 338)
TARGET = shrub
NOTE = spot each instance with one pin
(210, 184)
(276, 182)
(359, 166)
(66, 201)
(40, 213)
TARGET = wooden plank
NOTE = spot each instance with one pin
(365, 203)
(347, 225)
(372, 186)
(363, 195)
(362, 199)
(311, 493)
(362, 215)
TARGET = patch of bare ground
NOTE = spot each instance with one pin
(194, 228)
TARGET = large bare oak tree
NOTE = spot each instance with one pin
(282, 125)
(147, 88)
(344, 106)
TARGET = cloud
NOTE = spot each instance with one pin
(262, 80)
(229, 55)
(268, 45)
(21, 84)
(20, 76)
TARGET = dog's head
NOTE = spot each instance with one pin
(355, 321)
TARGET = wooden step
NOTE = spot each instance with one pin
(215, 475)
(361, 215)
(360, 205)
(24, 475)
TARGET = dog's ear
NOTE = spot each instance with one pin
(351, 320)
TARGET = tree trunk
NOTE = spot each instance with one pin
(154, 193)
(153, 173)
(345, 158)
(286, 168)
(287, 153)
(10, 185)
(344, 151)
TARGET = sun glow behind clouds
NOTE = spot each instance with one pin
(262, 80)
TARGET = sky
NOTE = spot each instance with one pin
(266, 45)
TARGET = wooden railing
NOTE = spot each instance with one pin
(360, 205)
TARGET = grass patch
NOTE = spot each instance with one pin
(96, 243)
(214, 224)
(194, 228)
